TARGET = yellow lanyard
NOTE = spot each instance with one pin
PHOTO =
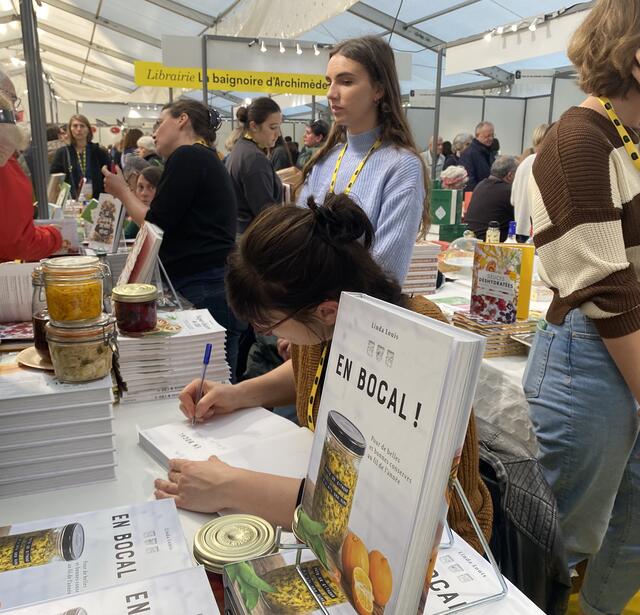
(332, 186)
(629, 145)
(311, 422)
(248, 137)
(82, 158)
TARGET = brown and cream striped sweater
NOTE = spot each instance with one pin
(585, 193)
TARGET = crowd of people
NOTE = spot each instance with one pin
(230, 245)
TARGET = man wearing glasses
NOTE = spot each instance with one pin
(315, 134)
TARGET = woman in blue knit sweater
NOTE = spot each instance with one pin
(370, 153)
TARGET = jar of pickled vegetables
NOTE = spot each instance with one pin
(39, 313)
(344, 446)
(82, 353)
(73, 286)
(41, 547)
(135, 307)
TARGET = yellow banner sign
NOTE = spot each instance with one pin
(157, 75)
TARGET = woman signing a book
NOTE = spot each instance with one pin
(194, 205)
(285, 278)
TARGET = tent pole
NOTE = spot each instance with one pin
(37, 113)
(551, 99)
(313, 108)
(436, 115)
(170, 95)
(205, 80)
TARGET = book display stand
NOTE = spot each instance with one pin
(159, 272)
(457, 609)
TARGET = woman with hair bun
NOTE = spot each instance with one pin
(255, 182)
(370, 152)
(285, 277)
(194, 205)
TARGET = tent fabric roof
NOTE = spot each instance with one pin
(90, 45)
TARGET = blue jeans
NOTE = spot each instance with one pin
(586, 423)
(206, 290)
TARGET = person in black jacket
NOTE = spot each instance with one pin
(81, 159)
(479, 157)
(195, 206)
(491, 200)
(255, 182)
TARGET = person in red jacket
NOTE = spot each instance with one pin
(19, 237)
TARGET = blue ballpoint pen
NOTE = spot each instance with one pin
(205, 364)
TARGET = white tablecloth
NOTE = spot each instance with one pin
(135, 473)
(499, 397)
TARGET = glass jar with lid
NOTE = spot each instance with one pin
(73, 286)
(233, 538)
(39, 313)
(343, 448)
(493, 232)
(135, 307)
(41, 547)
(82, 353)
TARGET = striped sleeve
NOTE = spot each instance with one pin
(583, 210)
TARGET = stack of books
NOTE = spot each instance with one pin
(53, 435)
(423, 269)
(129, 559)
(158, 365)
(500, 342)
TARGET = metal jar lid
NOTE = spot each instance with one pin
(232, 538)
(346, 433)
(72, 541)
(102, 328)
(134, 293)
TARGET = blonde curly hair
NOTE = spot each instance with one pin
(604, 48)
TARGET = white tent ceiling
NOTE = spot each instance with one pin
(89, 46)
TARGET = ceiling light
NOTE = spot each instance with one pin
(316, 51)
(533, 26)
(247, 101)
(507, 89)
(488, 35)
(514, 27)
(17, 61)
(282, 49)
(298, 49)
(500, 29)
(263, 47)
(3, 28)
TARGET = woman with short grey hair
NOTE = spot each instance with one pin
(460, 143)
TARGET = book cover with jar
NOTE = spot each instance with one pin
(185, 592)
(394, 410)
(63, 556)
(501, 282)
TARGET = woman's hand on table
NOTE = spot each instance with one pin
(216, 399)
(197, 485)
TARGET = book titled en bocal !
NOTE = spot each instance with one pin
(62, 556)
(393, 415)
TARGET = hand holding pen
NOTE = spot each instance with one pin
(205, 364)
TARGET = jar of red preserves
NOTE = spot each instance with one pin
(134, 306)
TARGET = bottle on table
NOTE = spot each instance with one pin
(493, 232)
(511, 234)
(39, 314)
